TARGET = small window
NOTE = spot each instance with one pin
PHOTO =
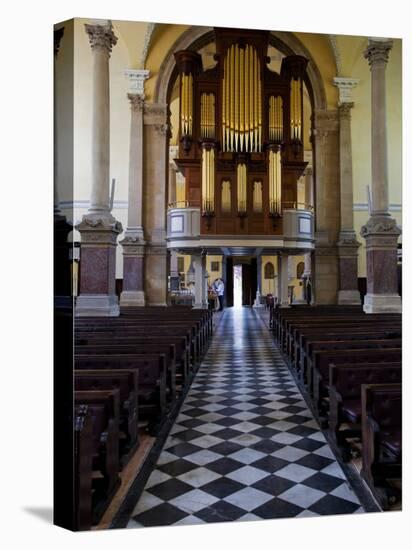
(269, 271)
(215, 266)
(300, 268)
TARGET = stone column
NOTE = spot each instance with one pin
(347, 244)
(381, 231)
(309, 202)
(326, 155)
(224, 277)
(99, 229)
(199, 262)
(174, 273)
(259, 281)
(284, 279)
(156, 132)
(134, 242)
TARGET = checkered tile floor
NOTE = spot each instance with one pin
(245, 446)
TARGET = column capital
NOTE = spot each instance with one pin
(137, 79)
(378, 50)
(345, 87)
(57, 35)
(101, 36)
(136, 102)
(380, 225)
(345, 109)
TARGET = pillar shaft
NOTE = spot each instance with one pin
(133, 292)
(101, 38)
(347, 244)
(377, 54)
(284, 280)
(199, 262)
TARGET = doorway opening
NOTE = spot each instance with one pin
(237, 286)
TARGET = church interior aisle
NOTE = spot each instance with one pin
(245, 445)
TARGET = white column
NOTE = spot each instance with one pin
(133, 293)
(284, 279)
(102, 39)
(199, 263)
(347, 244)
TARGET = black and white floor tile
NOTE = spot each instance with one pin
(244, 446)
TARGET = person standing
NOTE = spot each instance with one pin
(219, 287)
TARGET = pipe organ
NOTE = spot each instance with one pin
(241, 134)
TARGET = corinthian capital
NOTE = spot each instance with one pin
(378, 50)
(101, 36)
(344, 110)
(136, 102)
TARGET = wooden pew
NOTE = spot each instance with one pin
(314, 357)
(323, 358)
(126, 381)
(174, 349)
(103, 407)
(381, 438)
(152, 380)
(83, 458)
(311, 335)
(345, 383)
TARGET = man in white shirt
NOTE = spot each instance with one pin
(219, 287)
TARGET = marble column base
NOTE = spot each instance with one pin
(381, 303)
(349, 297)
(381, 235)
(257, 303)
(97, 305)
(155, 274)
(98, 266)
(133, 270)
(132, 298)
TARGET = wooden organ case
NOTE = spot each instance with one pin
(241, 134)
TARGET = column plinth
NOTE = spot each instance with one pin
(98, 267)
(133, 270)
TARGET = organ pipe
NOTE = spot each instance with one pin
(275, 182)
(241, 188)
(186, 109)
(275, 119)
(208, 180)
(207, 115)
(242, 100)
(296, 109)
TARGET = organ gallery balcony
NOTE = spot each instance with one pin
(296, 223)
(183, 220)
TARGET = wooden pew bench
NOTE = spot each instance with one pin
(322, 359)
(126, 381)
(151, 397)
(382, 439)
(345, 383)
(103, 407)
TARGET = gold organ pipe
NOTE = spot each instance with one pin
(251, 122)
(255, 106)
(241, 96)
(232, 102)
(247, 97)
